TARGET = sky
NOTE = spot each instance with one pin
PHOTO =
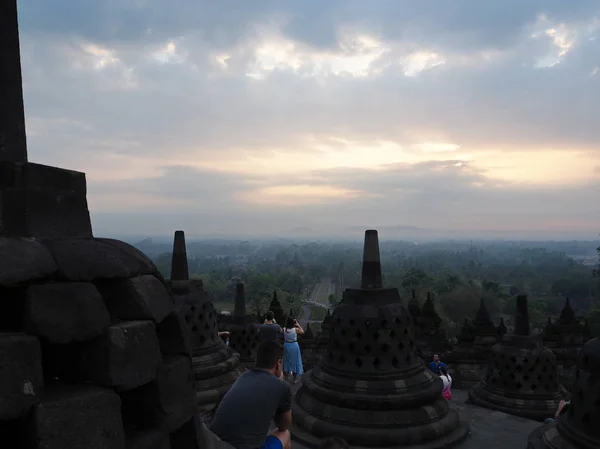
(275, 117)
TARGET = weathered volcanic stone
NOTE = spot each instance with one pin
(147, 439)
(65, 312)
(371, 388)
(88, 259)
(126, 356)
(43, 202)
(132, 254)
(139, 298)
(522, 376)
(24, 259)
(21, 378)
(579, 428)
(167, 402)
(78, 417)
(195, 435)
(174, 336)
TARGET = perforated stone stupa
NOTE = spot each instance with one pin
(86, 359)
(579, 428)
(371, 388)
(244, 337)
(216, 366)
(522, 375)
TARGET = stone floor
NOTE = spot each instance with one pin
(489, 429)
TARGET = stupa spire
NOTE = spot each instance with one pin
(371, 266)
(239, 310)
(179, 262)
(522, 316)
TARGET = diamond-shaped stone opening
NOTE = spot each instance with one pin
(525, 377)
(395, 362)
(367, 323)
(408, 358)
(396, 321)
(400, 346)
(513, 376)
(376, 335)
(392, 333)
(519, 368)
(342, 359)
(358, 362)
(385, 347)
(384, 324)
(358, 334)
(533, 387)
(406, 331)
(544, 369)
(519, 385)
(376, 362)
(525, 361)
(351, 346)
(351, 322)
(194, 328)
(368, 349)
(330, 355)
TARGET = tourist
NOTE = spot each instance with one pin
(224, 336)
(270, 330)
(447, 383)
(292, 359)
(436, 364)
(334, 443)
(256, 398)
(563, 407)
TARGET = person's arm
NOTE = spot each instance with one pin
(559, 410)
(299, 329)
(283, 417)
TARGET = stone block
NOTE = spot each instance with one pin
(88, 259)
(174, 336)
(24, 259)
(145, 264)
(78, 417)
(147, 439)
(195, 435)
(166, 403)
(139, 298)
(126, 356)
(43, 214)
(21, 378)
(65, 312)
(12, 309)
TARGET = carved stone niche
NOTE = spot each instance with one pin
(579, 428)
(371, 388)
(521, 377)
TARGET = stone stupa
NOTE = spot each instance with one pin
(521, 377)
(579, 427)
(215, 365)
(371, 388)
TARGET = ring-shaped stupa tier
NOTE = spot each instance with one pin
(371, 388)
(521, 377)
(579, 427)
(216, 366)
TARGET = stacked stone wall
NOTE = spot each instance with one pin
(92, 351)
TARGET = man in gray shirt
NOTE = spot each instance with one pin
(270, 330)
(257, 397)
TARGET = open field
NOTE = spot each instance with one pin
(317, 313)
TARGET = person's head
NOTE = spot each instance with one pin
(290, 322)
(333, 443)
(443, 371)
(269, 357)
(436, 358)
(270, 315)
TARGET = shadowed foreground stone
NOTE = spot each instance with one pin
(522, 376)
(579, 428)
(371, 388)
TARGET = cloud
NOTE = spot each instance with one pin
(431, 113)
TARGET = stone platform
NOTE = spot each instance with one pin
(489, 429)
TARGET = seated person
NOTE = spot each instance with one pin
(436, 364)
(563, 406)
(333, 443)
(257, 397)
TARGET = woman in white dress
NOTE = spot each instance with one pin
(447, 381)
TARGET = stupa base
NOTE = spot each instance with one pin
(449, 440)
(537, 409)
